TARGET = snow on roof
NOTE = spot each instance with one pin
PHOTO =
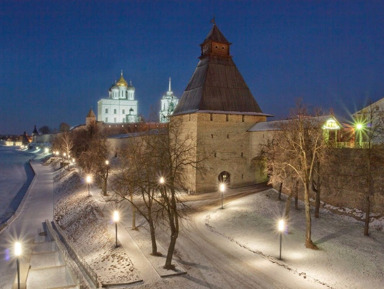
(276, 124)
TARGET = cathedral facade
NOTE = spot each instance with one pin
(120, 106)
(168, 104)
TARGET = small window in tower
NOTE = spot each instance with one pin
(211, 116)
(211, 135)
(214, 154)
(227, 135)
(106, 110)
(242, 176)
(242, 154)
(226, 117)
(123, 111)
(243, 118)
(115, 111)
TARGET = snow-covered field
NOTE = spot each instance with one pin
(14, 173)
(346, 258)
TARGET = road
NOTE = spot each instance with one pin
(213, 261)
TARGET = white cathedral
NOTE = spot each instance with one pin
(120, 106)
(168, 104)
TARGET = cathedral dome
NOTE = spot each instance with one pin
(122, 81)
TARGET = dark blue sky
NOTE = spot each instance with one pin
(58, 58)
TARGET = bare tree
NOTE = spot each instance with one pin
(45, 129)
(64, 143)
(297, 145)
(64, 127)
(369, 127)
(176, 151)
(91, 151)
(139, 177)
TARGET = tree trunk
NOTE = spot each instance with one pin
(368, 204)
(153, 237)
(297, 195)
(317, 189)
(133, 213)
(317, 203)
(288, 205)
(168, 262)
(104, 187)
(308, 235)
(174, 226)
(280, 190)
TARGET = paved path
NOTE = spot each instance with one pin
(37, 207)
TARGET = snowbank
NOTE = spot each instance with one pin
(80, 217)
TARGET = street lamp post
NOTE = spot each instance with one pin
(281, 228)
(89, 181)
(222, 188)
(162, 183)
(116, 219)
(17, 251)
(359, 127)
(106, 177)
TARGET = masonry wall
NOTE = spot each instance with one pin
(186, 124)
(344, 181)
(223, 141)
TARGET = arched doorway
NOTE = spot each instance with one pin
(224, 177)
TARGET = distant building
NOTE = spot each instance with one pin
(168, 104)
(120, 106)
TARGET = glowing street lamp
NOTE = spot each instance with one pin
(281, 229)
(161, 181)
(359, 128)
(17, 252)
(116, 219)
(88, 179)
(106, 178)
(222, 188)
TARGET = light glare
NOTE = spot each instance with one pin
(281, 225)
(18, 250)
(116, 216)
(89, 179)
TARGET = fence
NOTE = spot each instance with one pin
(74, 262)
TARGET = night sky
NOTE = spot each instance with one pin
(58, 58)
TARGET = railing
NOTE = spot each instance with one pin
(74, 262)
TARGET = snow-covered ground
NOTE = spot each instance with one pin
(214, 243)
(346, 258)
(236, 247)
(15, 176)
(86, 228)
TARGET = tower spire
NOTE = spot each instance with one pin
(121, 73)
(169, 89)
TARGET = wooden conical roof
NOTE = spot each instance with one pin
(217, 85)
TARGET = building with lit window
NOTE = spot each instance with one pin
(120, 106)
